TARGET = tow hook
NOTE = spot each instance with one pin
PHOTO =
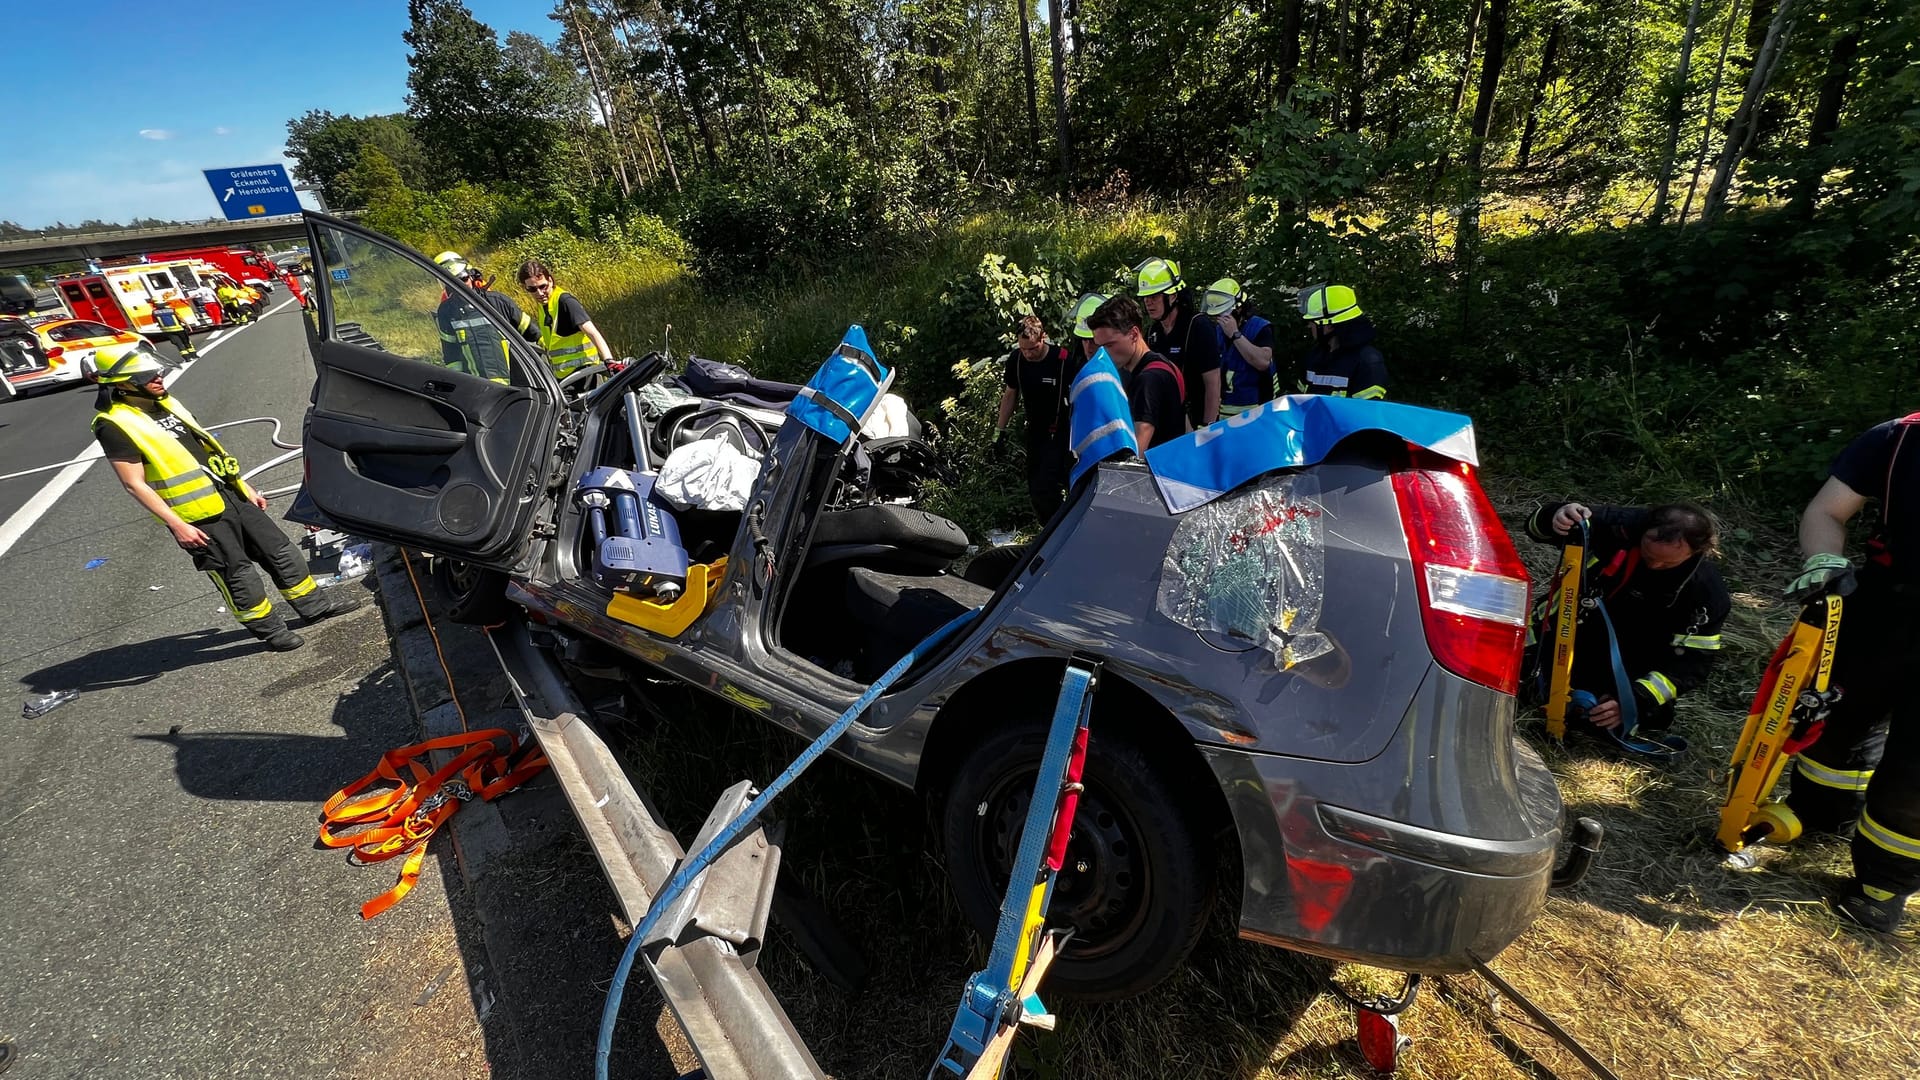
(1587, 834)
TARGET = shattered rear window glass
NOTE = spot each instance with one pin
(1252, 566)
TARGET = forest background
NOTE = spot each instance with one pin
(1656, 248)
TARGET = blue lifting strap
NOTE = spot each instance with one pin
(990, 999)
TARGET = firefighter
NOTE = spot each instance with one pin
(566, 330)
(181, 474)
(1175, 332)
(1653, 570)
(1082, 309)
(469, 341)
(229, 300)
(1862, 772)
(1037, 374)
(167, 321)
(1343, 361)
(1155, 385)
(1246, 366)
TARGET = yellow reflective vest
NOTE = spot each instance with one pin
(566, 352)
(191, 490)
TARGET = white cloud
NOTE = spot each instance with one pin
(223, 131)
(156, 134)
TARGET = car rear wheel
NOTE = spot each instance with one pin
(472, 594)
(1138, 881)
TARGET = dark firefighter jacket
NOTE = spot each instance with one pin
(1667, 621)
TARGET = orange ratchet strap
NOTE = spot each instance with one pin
(400, 817)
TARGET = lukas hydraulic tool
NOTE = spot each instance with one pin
(636, 541)
(1787, 715)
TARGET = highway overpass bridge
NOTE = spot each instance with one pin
(108, 243)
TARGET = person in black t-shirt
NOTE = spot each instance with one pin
(1155, 389)
(1863, 771)
(1176, 331)
(1037, 373)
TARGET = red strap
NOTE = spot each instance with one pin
(401, 816)
(1179, 380)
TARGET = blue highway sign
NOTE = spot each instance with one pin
(253, 191)
(340, 274)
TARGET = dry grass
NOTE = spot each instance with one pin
(1662, 963)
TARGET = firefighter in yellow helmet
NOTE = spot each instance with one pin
(180, 473)
(469, 341)
(1178, 332)
(1082, 309)
(1343, 361)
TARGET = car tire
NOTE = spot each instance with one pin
(1147, 889)
(471, 594)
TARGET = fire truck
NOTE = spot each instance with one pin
(123, 296)
(243, 265)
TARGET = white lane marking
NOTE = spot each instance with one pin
(43, 500)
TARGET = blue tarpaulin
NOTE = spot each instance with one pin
(836, 401)
(1102, 422)
(1288, 433)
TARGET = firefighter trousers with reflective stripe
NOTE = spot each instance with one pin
(237, 539)
(1868, 757)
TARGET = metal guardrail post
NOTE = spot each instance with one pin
(731, 1017)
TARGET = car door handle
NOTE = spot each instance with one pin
(435, 386)
(358, 436)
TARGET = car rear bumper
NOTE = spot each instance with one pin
(34, 380)
(1435, 852)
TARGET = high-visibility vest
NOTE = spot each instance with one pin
(191, 490)
(165, 316)
(566, 352)
(227, 294)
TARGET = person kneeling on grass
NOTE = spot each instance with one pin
(1663, 594)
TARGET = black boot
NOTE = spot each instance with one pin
(325, 604)
(274, 632)
(1871, 909)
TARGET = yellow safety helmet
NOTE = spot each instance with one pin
(1222, 297)
(135, 365)
(1083, 310)
(1156, 276)
(453, 263)
(1328, 304)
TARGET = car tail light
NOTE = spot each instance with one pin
(56, 352)
(1473, 587)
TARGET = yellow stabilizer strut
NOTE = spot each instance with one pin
(1804, 661)
(1566, 618)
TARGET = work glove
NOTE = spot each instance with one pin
(1822, 574)
(999, 447)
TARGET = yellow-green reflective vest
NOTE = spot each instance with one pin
(568, 352)
(192, 491)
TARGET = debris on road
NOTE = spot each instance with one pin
(46, 703)
(96, 562)
(355, 561)
(155, 588)
(434, 985)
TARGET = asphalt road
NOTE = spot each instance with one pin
(163, 909)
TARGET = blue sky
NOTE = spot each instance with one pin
(124, 132)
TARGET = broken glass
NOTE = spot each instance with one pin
(1252, 566)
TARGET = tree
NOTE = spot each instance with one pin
(1493, 59)
(325, 148)
(475, 113)
(1676, 113)
(1746, 120)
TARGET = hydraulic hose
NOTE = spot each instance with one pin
(691, 867)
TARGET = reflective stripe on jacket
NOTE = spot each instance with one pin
(173, 472)
(567, 352)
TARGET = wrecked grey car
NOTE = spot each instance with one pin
(1313, 664)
